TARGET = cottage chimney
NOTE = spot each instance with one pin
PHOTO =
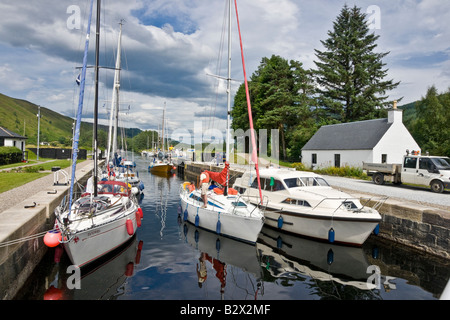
(395, 115)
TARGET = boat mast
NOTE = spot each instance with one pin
(162, 131)
(227, 147)
(97, 43)
(112, 137)
(76, 135)
(249, 107)
(116, 89)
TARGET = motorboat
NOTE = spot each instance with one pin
(226, 213)
(303, 203)
(161, 164)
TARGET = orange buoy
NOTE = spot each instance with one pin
(138, 218)
(130, 228)
(52, 238)
(141, 213)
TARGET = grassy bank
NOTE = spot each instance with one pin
(16, 175)
(11, 180)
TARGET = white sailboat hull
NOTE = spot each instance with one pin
(239, 226)
(91, 244)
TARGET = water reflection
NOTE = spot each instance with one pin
(103, 281)
(332, 271)
(222, 253)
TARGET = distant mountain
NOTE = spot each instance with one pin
(20, 116)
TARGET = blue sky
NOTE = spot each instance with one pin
(170, 47)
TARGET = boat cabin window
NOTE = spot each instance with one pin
(296, 202)
(195, 197)
(349, 205)
(305, 182)
(240, 190)
(239, 204)
(268, 184)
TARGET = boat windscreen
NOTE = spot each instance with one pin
(305, 182)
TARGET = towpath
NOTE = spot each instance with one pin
(14, 196)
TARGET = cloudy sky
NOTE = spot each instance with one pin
(171, 47)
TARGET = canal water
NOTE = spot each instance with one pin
(171, 260)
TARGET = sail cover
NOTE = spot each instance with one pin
(220, 177)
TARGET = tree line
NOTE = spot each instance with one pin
(348, 84)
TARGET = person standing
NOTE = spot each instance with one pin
(204, 184)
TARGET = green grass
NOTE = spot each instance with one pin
(11, 180)
(20, 175)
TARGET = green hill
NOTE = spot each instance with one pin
(20, 116)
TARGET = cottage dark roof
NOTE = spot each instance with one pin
(4, 133)
(349, 136)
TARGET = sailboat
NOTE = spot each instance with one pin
(225, 212)
(107, 214)
(161, 163)
(121, 169)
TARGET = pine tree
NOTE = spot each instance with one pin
(349, 73)
(280, 93)
(431, 129)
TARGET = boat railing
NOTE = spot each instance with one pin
(259, 205)
(199, 201)
(343, 202)
(379, 201)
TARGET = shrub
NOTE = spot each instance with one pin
(299, 166)
(345, 171)
(10, 155)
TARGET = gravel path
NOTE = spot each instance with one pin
(14, 196)
(412, 194)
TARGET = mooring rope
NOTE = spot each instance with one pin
(27, 238)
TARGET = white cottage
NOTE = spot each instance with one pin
(378, 140)
(12, 139)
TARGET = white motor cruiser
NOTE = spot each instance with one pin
(303, 203)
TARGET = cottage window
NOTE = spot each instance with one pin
(314, 158)
(337, 160)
